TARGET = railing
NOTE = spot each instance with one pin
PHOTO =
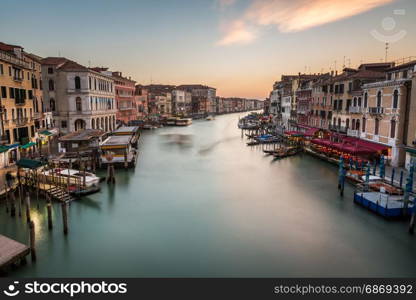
(355, 133)
(37, 115)
(14, 60)
(15, 78)
(376, 110)
(19, 101)
(355, 110)
(342, 129)
(20, 121)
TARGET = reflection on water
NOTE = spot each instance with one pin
(202, 203)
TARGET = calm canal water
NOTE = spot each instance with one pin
(210, 206)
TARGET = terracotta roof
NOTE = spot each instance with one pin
(402, 66)
(83, 135)
(194, 86)
(8, 47)
(53, 60)
(367, 74)
(70, 65)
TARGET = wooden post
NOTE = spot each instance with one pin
(28, 207)
(13, 205)
(65, 217)
(412, 223)
(49, 210)
(126, 164)
(20, 200)
(6, 193)
(32, 240)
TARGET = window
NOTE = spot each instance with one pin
(78, 104)
(365, 100)
(89, 82)
(376, 126)
(3, 92)
(52, 104)
(359, 102)
(347, 124)
(30, 94)
(50, 70)
(64, 124)
(405, 73)
(11, 93)
(379, 99)
(1, 69)
(77, 83)
(10, 71)
(51, 85)
(392, 129)
(355, 101)
(396, 99)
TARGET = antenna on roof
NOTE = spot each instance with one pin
(89, 64)
(59, 53)
(343, 66)
(387, 50)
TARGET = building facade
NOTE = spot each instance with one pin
(78, 97)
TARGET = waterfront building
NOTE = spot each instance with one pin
(410, 131)
(387, 108)
(160, 99)
(18, 95)
(321, 115)
(203, 98)
(140, 97)
(78, 97)
(346, 92)
(125, 98)
(181, 102)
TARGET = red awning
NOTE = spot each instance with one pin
(311, 131)
(293, 133)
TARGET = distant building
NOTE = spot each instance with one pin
(78, 97)
(140, 97)
(203, 98)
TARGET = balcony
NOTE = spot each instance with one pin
(376, 110)
(37, 115)
(19, 102)
(20, 121)
(356, 110)
(18, 79)
(341, 129)
(354, 133)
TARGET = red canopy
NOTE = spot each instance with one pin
(311, 131)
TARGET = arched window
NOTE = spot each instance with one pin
(78, 104)
(364, 123)
(376, 126)
(392, 129)
(359, 102)
(396, 99)
(379, 99)
(93, 123)
(52, 104)
(353, 124)
(77, 83)
(51, 85)
(339, 122)
(365, 100)
(347, 123)
(357, 124)
(355, 101)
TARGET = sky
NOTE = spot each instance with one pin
(241, 47)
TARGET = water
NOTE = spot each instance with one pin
(210, 206)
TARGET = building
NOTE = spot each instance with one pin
(140, 97)
(387, 108)
(203, 98)
(18, 95)
(78, 97)
(181, 102)
(321, 115)
(410, 130)
(160, 99)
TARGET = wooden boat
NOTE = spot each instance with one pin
(80, 182)
(286, 153)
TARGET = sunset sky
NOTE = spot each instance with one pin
(238, 46)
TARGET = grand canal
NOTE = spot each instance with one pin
(202, 204)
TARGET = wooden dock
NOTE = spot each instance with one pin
(11, 252)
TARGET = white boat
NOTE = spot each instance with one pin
(183, 122)
(210, 118)
(76, 177)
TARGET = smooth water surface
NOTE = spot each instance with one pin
(200, 203)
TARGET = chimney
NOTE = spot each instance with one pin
(336, 73)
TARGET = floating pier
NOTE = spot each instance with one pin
(12, 252)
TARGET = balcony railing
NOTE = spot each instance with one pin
(336, 128)
(20, 121)
(376, 110)
(20, 102)
(14, 60)
(37, 115)
(356, 109)
(355, 133)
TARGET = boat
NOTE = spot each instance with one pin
(80, 182)
(283, 153)
(183, 122)
(210, 118)
(171, 121)
(118, 150)
(148, 127)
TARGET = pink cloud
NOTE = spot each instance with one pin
(298, 15)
